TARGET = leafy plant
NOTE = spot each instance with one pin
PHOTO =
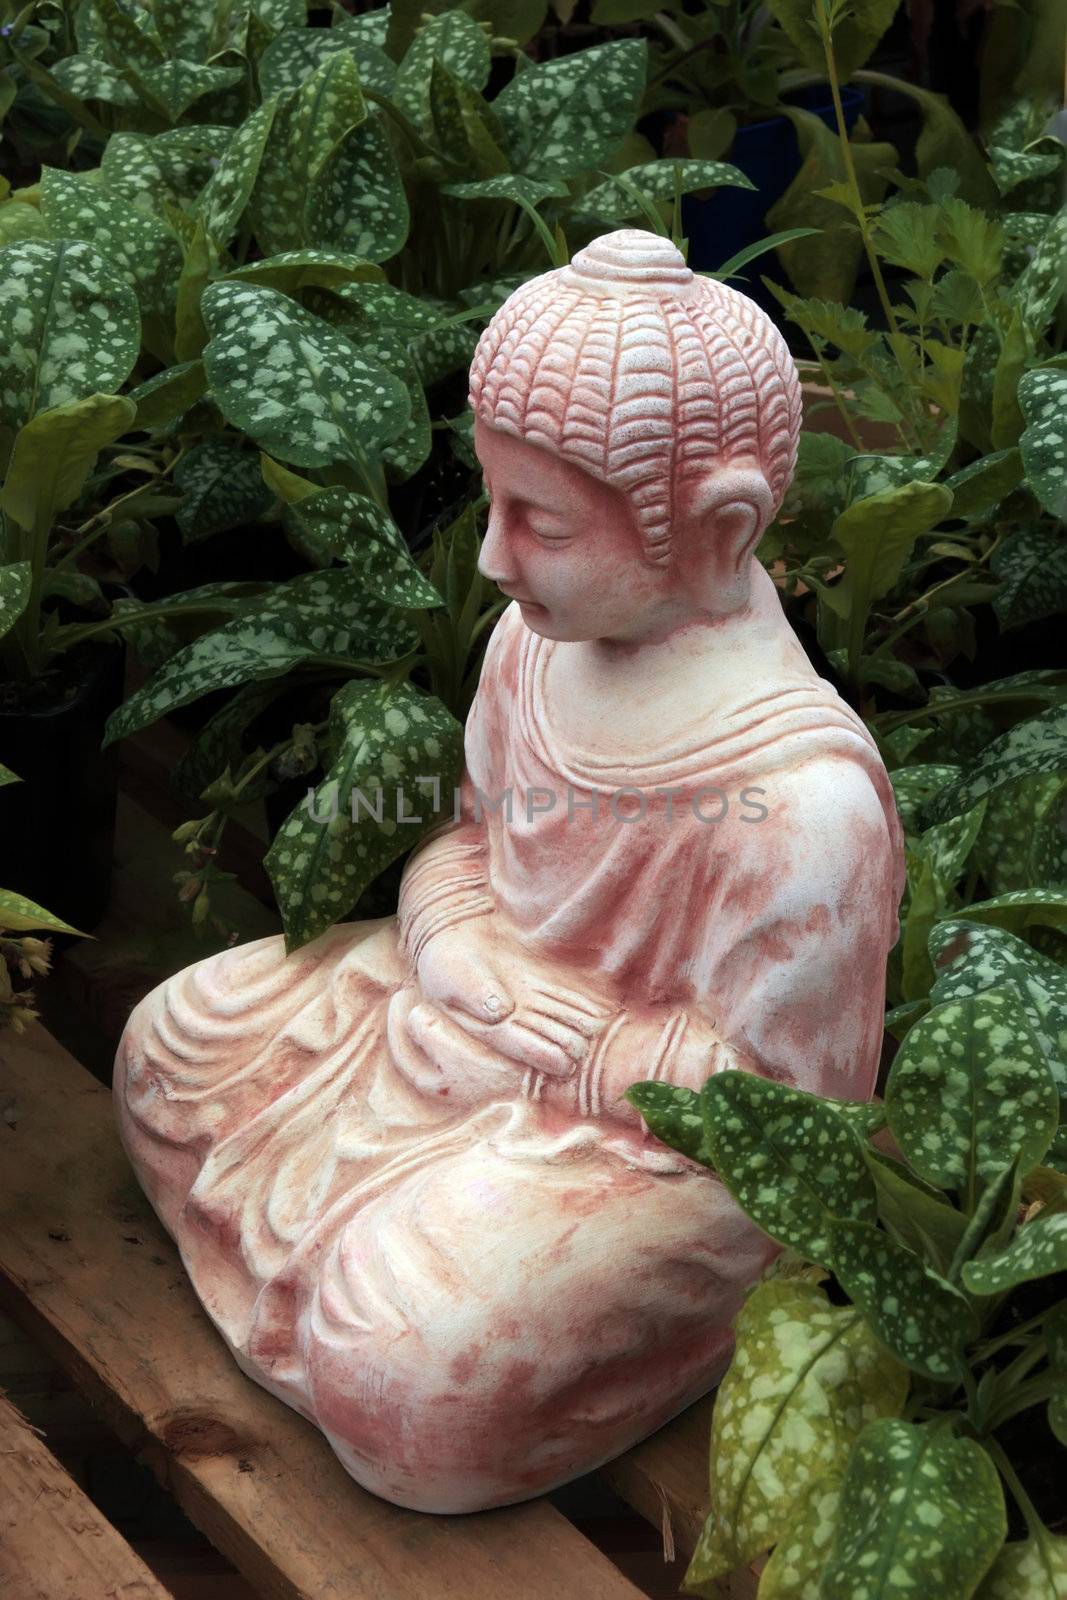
(257, 310)
(865, 1424)
(23, 957)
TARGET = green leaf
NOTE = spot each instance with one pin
(1023, 908)
(168, 395)
(855, 32)
(229, 189)
(1038, 1250)
(1016, 349)
(969, 1088)
(1040, 287)
(673, 1115)
(789, 1160)
(507, 186)
(906, 235)
(795, 1568)
(296, 53)
(971, 957)
(1043, 400)
(985, 483)
(1032, 1569)
(613, 200)
(128, 39)
(357, 201)
(566, 116)
(16, 581)
(383, 739)
(914, 1213)
(826, 266)
(90, 78)
(294, 270)
(54, 453)
(136, 244)
(1054, 1329)
(453, 40)
(222, 487)
(68, 328)
(921, 1513)
(176, 85)
(1034, 746)
(914, 1311)
(1031, 563)
(20, 221)
(1024, 838)
(7, 776)
(877, 534)
(805, 1379)
(308, 127)
(321, 614)
(352, 528)
(297, 387)
(19, 915)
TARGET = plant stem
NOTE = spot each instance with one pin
(850, 170)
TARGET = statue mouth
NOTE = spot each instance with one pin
(521, 598)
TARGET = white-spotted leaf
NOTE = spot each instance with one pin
(566, 116)
(222, 487)
(386, 742)
(1036, 745)
(614, 200)
(139, 247)
(228, 190)
(1031, 1569)
(795, 1569)
(673, 1115)
(1038, 1250)
(300, 389)
(789, 1159)
(326, 614)
(921, 1514)
(357, 201)
(969, 1088)
(914, 1311)
(343, 525)
(805, 1379)
(309, 125)
(69, 327)
(16, 579)
(1043, 398)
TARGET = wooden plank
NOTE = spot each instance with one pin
(85, 1265)
(54, 1543)
(666, 1477)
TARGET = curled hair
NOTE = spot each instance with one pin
(646, 375)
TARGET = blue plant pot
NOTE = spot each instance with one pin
(767, 153)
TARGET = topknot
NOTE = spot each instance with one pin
(643, 373)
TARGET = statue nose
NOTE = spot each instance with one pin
(495, 561)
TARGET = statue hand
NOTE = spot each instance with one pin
(515, 1006)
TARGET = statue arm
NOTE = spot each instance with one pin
(795, 986)
(446, 882)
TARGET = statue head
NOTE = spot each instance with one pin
(637, 425)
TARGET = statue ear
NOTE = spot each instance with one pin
(730, 508)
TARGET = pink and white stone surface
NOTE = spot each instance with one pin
(397, 1162)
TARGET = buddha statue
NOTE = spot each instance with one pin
(398, 1162)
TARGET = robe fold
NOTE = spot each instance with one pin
(479, 1289)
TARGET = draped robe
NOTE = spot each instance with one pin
(480, 1287)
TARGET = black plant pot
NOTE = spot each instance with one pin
(57, 827)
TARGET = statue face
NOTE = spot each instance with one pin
(566, 546)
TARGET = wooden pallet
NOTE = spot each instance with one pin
(89, 1275)
(87, 1269)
